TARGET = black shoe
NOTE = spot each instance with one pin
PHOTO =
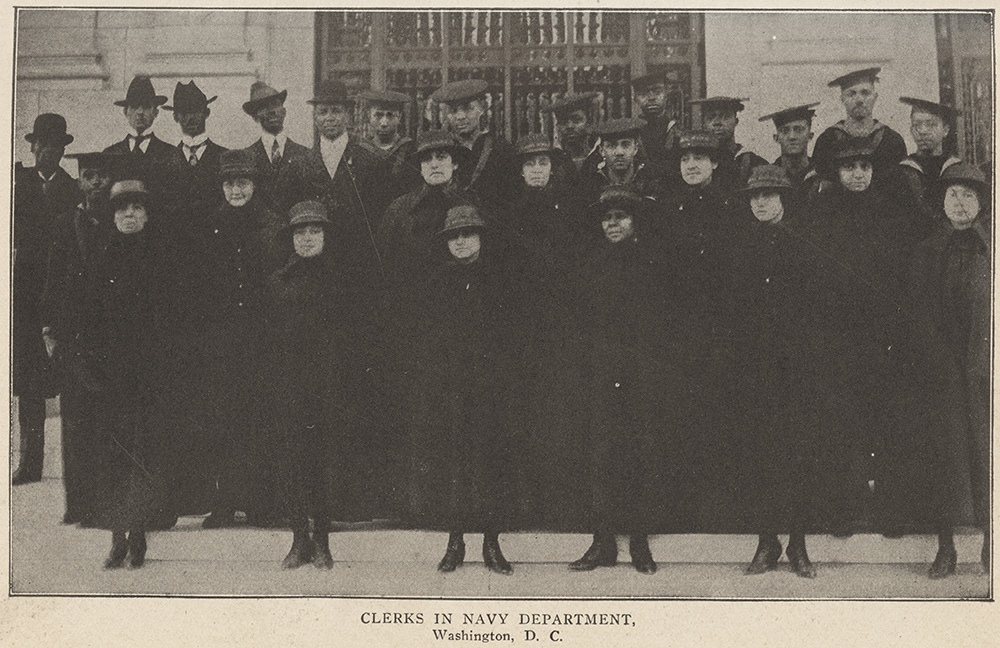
(119, 549)
(454, 555)
(766, 558)
(944, 563)
(24, 475)
(321, 553)
(642, 558)
(603, 552)
(494, 559)
(799, 559)
(301, 553)
(219, 520)
(136, 549)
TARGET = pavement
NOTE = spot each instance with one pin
(48, 557)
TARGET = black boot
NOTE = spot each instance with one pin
(642, 557)
(119, 549)
(798, 557)
(31, 418)
(454, 555)
(321, 541)
(766, 557)
(493, 557)
(944, 562)
(603, 552)
(301, 552)
(136, 548)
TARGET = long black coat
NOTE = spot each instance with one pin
(202, 185)
(494, 174)
(889, 147)
(950, 288)
(295, 178)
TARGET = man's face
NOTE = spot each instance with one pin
(536, 170)
(94, 183)
(47, 154)
(437, 168)
(308, 240)
(766, 206)
(859, 100)
(617, 225)
(192, 122)
(961, 205)
(465, 117)
(238, 191)
(131, 216)
(573, 125)
(697, 167)
(140, 118)
(385, 122)
(929, 132)
(721, 121)
(855, 175)
(331, 120)
(652, 99)
(271, 116)
(619, 153)
(793, 137)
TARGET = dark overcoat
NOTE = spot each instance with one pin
(493, 174)
(161, 167)
(295, 178)
(202, 184)
(889, 148)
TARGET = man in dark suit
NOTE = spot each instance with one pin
(287, 171)
(201, 174)
(41, 193)
(151, 159)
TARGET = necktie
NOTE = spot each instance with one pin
(275, 154)
(137, 148)
(193, 155)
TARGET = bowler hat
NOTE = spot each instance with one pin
(49, 127)
(307, 212)
(853, 78)
(441, 140)
(261, 93)
(141, 93)
(461, 217)
(795, 113)
(570, 102)
(237, 163)
(188, 97)
(459, 91)
(767, 176)
(331, 91)
(385, 98)
(734, 104)
(124, 189)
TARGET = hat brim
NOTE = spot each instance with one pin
(250, 107)
(158, 100)
(459, 154)
(67, 139)
(289, 228)
(253, 174)
(191, 107)
(347, 101)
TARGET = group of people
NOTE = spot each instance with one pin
(626, 330)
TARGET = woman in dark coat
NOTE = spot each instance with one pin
(460, 445)
(111, 335)
(313, 324)
(950, 288)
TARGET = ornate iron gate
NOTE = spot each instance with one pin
(529, 58)
(965, 71)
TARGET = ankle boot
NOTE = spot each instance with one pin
(642, 557)
(136, 549)
(31, 418)
(301, 552)
(944, 562)
(454, 555)
(493, 557)
(603, 552)
(321, 541)
(798, 557)
(119, 549)
(766, 557)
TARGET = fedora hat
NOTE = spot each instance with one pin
(141, 93)
(260, 93)
(188, 97)
(49, 127)
(331, 91)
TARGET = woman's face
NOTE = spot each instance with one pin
(464, 245)
(536, 170)
(308, 240)
(437, 168)
(131, 216)
(238, 191)
(961, 205)
(766, 206)
(617, 225)
(697, 168)
(856, 175)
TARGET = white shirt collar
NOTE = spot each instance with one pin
(132, 136)
(268, 140)
(194, 141)
(332, 152)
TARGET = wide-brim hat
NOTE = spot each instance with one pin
(261, 93)
(188, 97)
(141, 93)
(570, 102)
(331, 91)
(965, 174)
(622, 197)
(794, 113)
(945, 112)
(385, 98)
(307, 212)
(852, 78)
(237, 163)
(767, 176)
(49, 127)
(439, 140)
(734, 104)
(123, 189)
(460, 91)
(461, 217)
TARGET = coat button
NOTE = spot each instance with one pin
(618, 384)
(216, 231)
